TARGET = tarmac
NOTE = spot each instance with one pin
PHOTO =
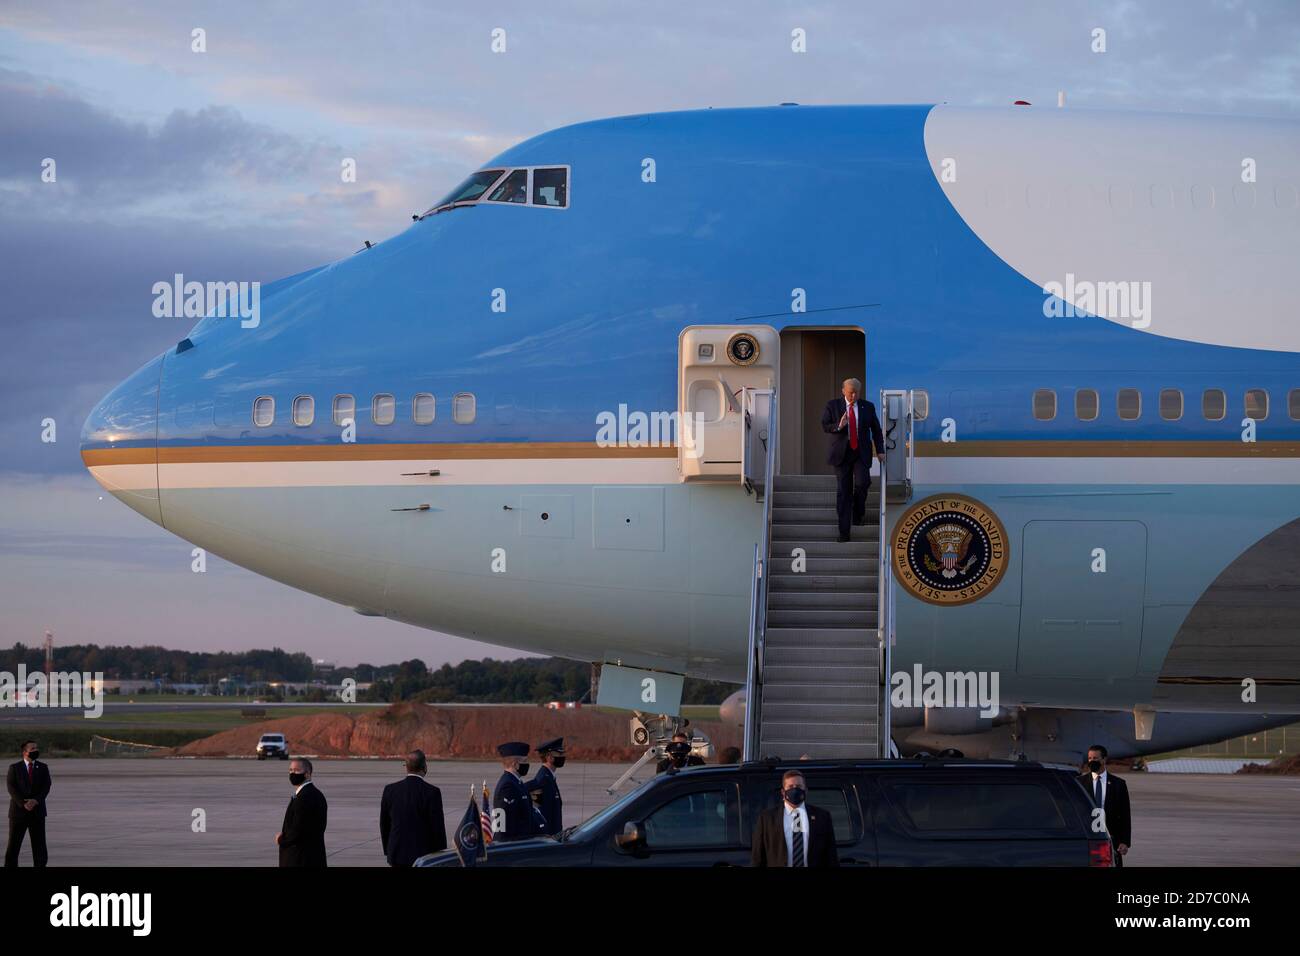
(141, 811)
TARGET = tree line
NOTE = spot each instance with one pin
(524, 680)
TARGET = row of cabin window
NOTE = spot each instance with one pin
(1128, 404)
(383, 409)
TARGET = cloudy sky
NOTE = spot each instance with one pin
(226, 163)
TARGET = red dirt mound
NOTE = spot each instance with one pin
(446, 732)
(1286, 765)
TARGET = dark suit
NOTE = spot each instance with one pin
(1119, 817)
(27, 786)
(521, 822)
(852, 466)
(302, 837)
(410, 820)
(547, 794)
(769, 839)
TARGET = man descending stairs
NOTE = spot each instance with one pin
(820, 674)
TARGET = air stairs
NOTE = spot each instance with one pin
(821, 668)
(822, 614)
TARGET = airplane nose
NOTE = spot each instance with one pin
(119, 442)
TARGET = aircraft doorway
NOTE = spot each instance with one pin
(814, 362)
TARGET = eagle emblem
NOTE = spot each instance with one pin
(949, 542)
(949, 550)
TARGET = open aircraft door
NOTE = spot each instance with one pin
(726, 380)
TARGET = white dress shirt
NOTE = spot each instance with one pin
(298, 789)
(799, 813)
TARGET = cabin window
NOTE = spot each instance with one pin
(1293, 404)
(1214, 404)
(1171, 404)
(1086, 404)
(304, 410)
(383, 409)
(345, 408)
(1128, 404)
(1045, 404)
(263, 411)
(514, 188)
(551, 187)
(1257, 404)
(463, 408)
(422, 408)
(920, 404)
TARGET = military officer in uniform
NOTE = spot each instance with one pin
(511, 796)
(545, 791)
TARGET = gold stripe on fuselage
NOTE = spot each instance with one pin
(202, 454)
(197, 454)
(1107, 449)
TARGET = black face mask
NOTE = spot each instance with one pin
(297, 779)
(795, 796)
(558, 761)
(1094, 766)
(33, 754)
(523, 769)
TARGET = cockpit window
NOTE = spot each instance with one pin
(472, 188)
(551, 187)
(532, 186)
(514, 188)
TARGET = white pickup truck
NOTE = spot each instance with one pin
(272, 745)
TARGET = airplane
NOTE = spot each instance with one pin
(538, 416)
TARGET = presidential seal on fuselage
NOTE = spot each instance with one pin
(949, 550)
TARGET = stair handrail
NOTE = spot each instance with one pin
(758, 589)
(885, 598)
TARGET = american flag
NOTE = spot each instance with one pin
(485, 821)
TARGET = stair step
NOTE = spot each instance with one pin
(823, 532)
(819, 617)
(821, 637)
(859, 583)
(857, 549)
(790, 600)
(793, 750)
(822, 567)
(804, 516)
(818, 499)
(859, 656)
(820, 693)
(788, 711)
(818, 674)
(804, 483)
(816, 732)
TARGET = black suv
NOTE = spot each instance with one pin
(885, 813)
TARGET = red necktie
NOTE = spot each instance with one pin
(31, 773)
(853, 429)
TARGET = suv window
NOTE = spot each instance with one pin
(834, 802)
(930, 806)
(693, 819)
